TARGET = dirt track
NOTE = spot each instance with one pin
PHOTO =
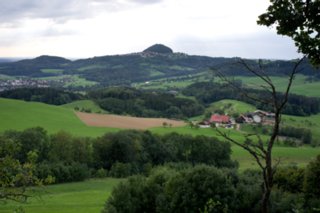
(125, 122)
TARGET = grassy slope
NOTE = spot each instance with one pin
(300, 86)
(19, 115)
(81, 197)
(231, 106)
(85, 104)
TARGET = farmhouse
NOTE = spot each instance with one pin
(219, 119)
(257, 117)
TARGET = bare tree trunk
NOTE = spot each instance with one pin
(261, 152)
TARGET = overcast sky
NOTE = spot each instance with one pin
(87, 28)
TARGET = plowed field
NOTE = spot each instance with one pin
(125, 122)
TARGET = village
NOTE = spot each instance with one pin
(220, 120)
(21, 83)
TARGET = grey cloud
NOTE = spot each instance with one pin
(145, 1)
(14, 10)
(266, 45)
(61, 10)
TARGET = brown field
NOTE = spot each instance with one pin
(125, 122)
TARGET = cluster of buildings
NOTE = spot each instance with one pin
(21, 83)
(256, 117)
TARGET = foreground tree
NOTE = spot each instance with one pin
(15, 176)
(298, 19)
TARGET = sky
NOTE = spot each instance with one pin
(88, 28)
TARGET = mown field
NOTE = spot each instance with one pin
(19, 115)
(81, 197)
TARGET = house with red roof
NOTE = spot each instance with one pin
(219, 119)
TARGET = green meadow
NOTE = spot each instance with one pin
(300, 85)
(19, 115)
(80, 197)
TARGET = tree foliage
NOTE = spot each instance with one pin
(298, 19)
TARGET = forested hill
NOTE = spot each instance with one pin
(157, 61)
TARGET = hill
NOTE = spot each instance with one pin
(158, 48)
(34, 67)
(155, 62)
(19, 115)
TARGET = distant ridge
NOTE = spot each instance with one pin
(158, 48)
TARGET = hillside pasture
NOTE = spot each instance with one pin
(300, 84)
(125, 122)
(19, 115)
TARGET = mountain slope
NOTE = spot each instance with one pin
(157, 61)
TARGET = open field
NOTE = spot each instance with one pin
(299, 156)
(82, 197)
(300, 85)
(125, 122)
(19, 115)
(231, 106)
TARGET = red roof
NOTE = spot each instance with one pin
(219, 118)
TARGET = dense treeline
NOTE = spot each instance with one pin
(126, 100)
(44, 95)
(303, 135)
(209, 189)
(66, 158)
(208, 92)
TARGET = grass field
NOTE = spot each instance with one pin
(231, 106)
(288, 156)
(85, 104)
(82, 197)
(300, 85)
(52, 71)
(19, 115)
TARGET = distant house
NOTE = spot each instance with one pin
(204, 124)
(219, 119)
